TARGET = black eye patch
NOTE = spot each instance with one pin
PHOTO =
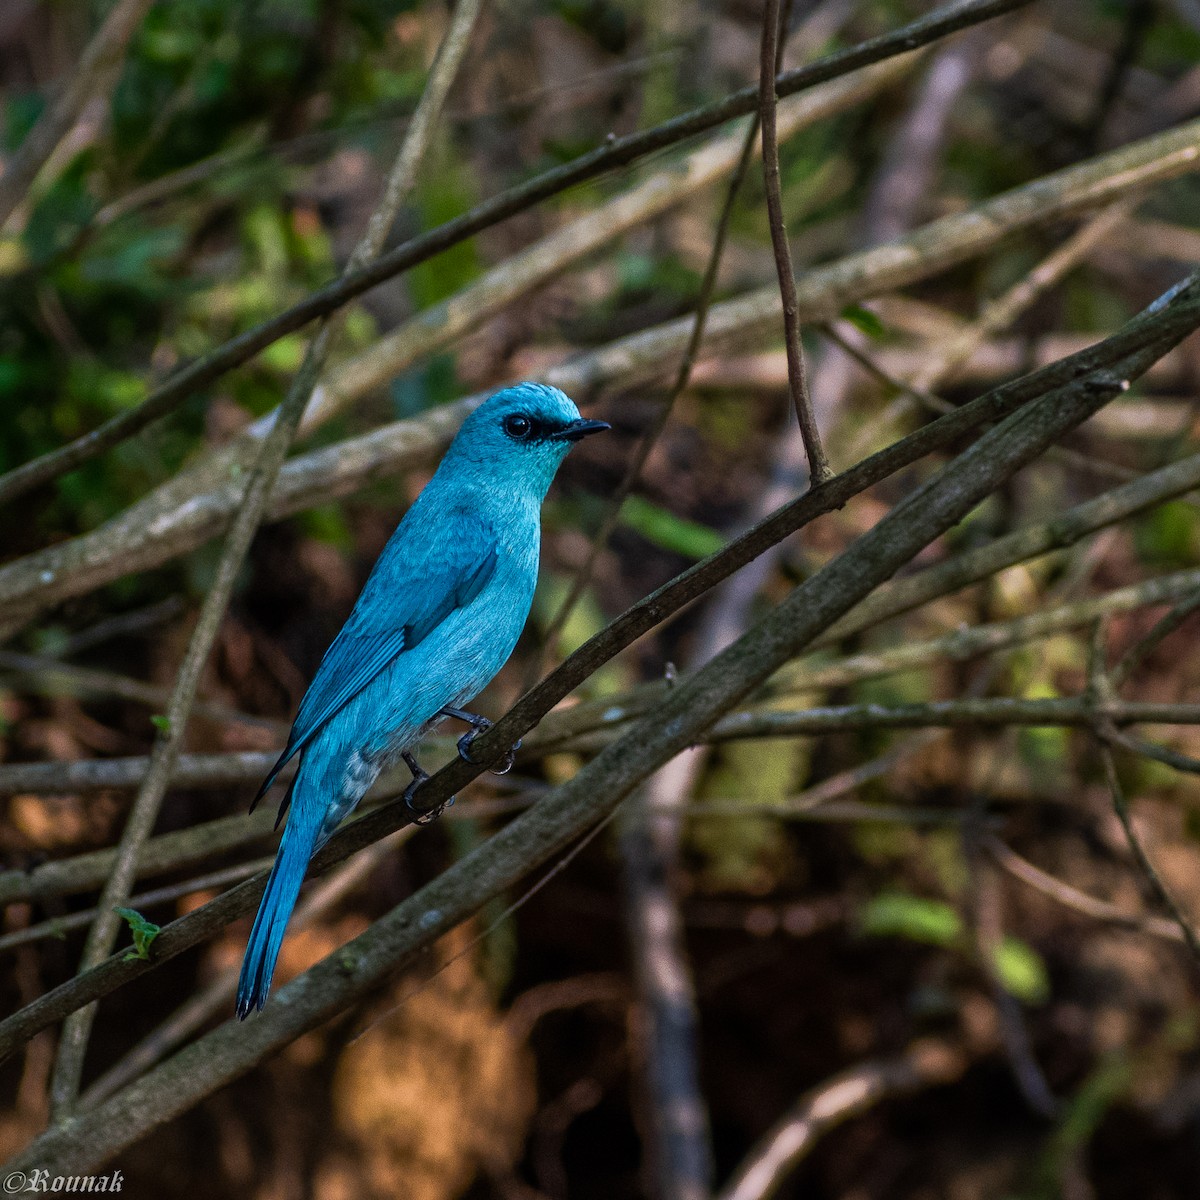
(525, 427)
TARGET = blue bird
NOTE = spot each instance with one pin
(438, 617)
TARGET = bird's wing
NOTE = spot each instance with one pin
(384, 627)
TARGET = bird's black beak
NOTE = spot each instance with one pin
(579, 429)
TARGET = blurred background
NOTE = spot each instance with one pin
(843, 899)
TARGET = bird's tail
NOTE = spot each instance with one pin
(295, 849)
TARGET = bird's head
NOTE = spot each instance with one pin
(521, 435)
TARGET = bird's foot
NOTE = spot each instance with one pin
(420, 816)
(479, 725)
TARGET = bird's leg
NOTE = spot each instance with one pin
(419, 776)
(478, 725)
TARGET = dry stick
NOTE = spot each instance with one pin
(970, 642)
(1070, 897)
(998, 314)
(44, 675)
(924, 1064)
(571, 809)
(1127, 353)
(1146, 645)
(1066, 711)
(1162, 754)
(619, 152)
(681, 1150)
(633, 471)
(1073, 458)
(650, 437)
(187, 847)
(98, 68)
(1003, 311)
(1100, 691)
(818, 465)
(68, 1068)
(58, 927)
(1159, 889)
(1030, 542)
(218, 993)
(183, 514)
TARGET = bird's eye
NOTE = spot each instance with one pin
(517, 426)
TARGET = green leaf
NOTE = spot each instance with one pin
(668, 531)
(144, 932)
(1022, 971)
(899, 914)
(161, 723)
(864, 320)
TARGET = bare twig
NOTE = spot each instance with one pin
(218, 993)
(47, 676)
(818, 464)
(1145, 866)
(57, 927)
(1145, 646)
(633, 471)
(766, 1168)
(1100, 692)
(1070, 897)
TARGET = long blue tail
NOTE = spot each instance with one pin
(295, 849)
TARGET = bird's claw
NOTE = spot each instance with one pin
(420, 816)
(464, 749)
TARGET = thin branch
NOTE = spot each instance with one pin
(941, 362)
(818, 464)
(96, 72)
(1070, 897)
(1152, 877)
(516, 276)
(187, 511)
(582, 577)
(47, 676)
(971, 641)
(1030, 542)
(57, 927)
(219, 992)
(618, 152)
(924, 1064)
(1146, 645)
